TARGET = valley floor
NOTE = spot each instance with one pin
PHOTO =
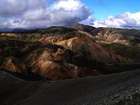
(115, 89)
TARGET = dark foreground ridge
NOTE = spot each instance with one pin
(114, 89)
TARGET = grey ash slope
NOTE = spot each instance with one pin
(102, 90)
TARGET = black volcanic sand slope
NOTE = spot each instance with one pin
(115, 89)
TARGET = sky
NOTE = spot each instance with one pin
(101, 9)
(46, 13)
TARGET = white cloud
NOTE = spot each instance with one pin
(18, 7)
(36, 13)
(125, 20)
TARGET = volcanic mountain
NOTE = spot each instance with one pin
(68, 52)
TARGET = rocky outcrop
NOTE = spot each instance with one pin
(13, 65)
(110, 36)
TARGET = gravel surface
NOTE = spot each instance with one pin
(114, 89)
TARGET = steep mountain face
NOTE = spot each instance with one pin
(55, 62)
(84, 45)
(62, 52)
(56, 56)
